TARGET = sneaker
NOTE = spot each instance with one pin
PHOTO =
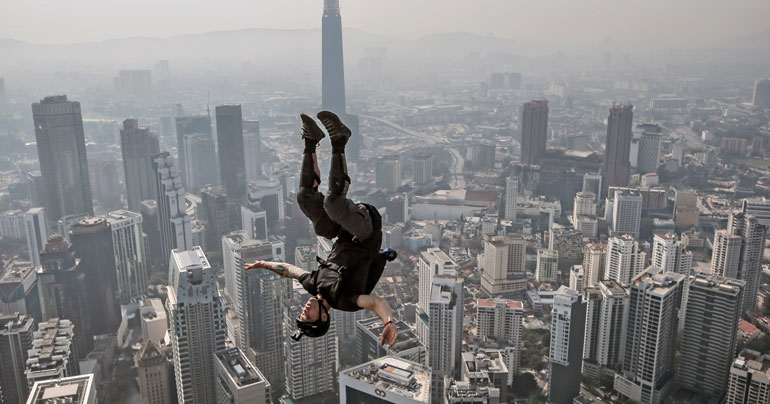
(338, 132)
(310, 129)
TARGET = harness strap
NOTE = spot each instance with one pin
(326, 264)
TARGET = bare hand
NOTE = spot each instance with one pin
(258, 264)
(390, 334)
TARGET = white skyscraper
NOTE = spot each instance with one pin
(576, 278)
(593, 183)
(626, 213)
(432, 262)
(238, 380)
(753, 236)
(585, 204)
(254, 223)
(422, 168)
(252, 148)
(759, 208)
(311, 363)
(501, 319)
(624, 259)
(174, 224)
(511, 193)
(35, 232)
(76, 389)
(566, 350)
(547, 268)
(726, 256)
(605, 332)
(708, 345)
(648, 364)
(196, 325)
(129, 252)
(388, 173)
(504, 258)
(670, 255)
(593, 263)
(445, 333)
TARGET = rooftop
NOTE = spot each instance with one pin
(511, 304)
(71, 390)
(240, 369)
(395, 375)
(407, 339)
(753, 362)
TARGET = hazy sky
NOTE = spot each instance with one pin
(682, 21)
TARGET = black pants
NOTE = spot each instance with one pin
(334, 211)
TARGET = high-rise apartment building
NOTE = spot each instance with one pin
(753, 236)
(534, 131)
(268, 195)
(759, 208)
(232, 166)
(152, 369)
(624, 212)
(605, 331)
(445, 332)
(432, 262)
(671, 255)
(624, 259)
(388, 173)
(568, 318)
(648, 366)
(422, 168)
(61, 150)
(238, 380)
(501, 319)
(76, 389)
(18, 289)
(726, 255)
(137, 146)
(618, 146)
(15, 339)
(592, 183)
(173, 222)
(35, 232)
(708, 345)
(196, 325)
(310, 363)
(511, 193)
(130, 254)
(547, 269)
(188, 125)
(504, 258)
(332, 66)
(762, 93)
(576, 276)
(63, 290)
(53, 354)
(749, 381)
(594, 255)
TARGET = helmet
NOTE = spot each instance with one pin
(316, 328)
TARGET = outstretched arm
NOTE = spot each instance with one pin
(381, 307)
(280, 268)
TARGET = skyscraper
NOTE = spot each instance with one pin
(648, 365)
(593, 183)
(708, 345)
(15, 339)
(752, 235)
(200, 161)
(670, 255)
(173, 222)
(238, 380)
(511, 193)
(504, 258)
(63, 290)
(618, 147)
(568, 318)
(624, 259)
(153, 374)
(35, 232)
(726, 256)
(759, 208)
(332, 65)
(61, 150)
(138, 145)
(762, 93)
(749, 381)
(130, 254)
(53, 354)
(593, 263)
(501, 320)
(432, 262)
(216, 216)
(232, 167)
(547, 269)
(625, 213)
(388, 173)
(534, 131)
(650, 142)
(422, 168)
(188, 125)
(445, 332)
(252, 150)
(196, 325)
(605, 331)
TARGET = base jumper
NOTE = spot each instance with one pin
(344, 280)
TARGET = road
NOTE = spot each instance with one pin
(456, 181)
(423, 137)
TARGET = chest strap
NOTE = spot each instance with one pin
(322, 263)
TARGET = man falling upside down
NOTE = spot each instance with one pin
(345, 279)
